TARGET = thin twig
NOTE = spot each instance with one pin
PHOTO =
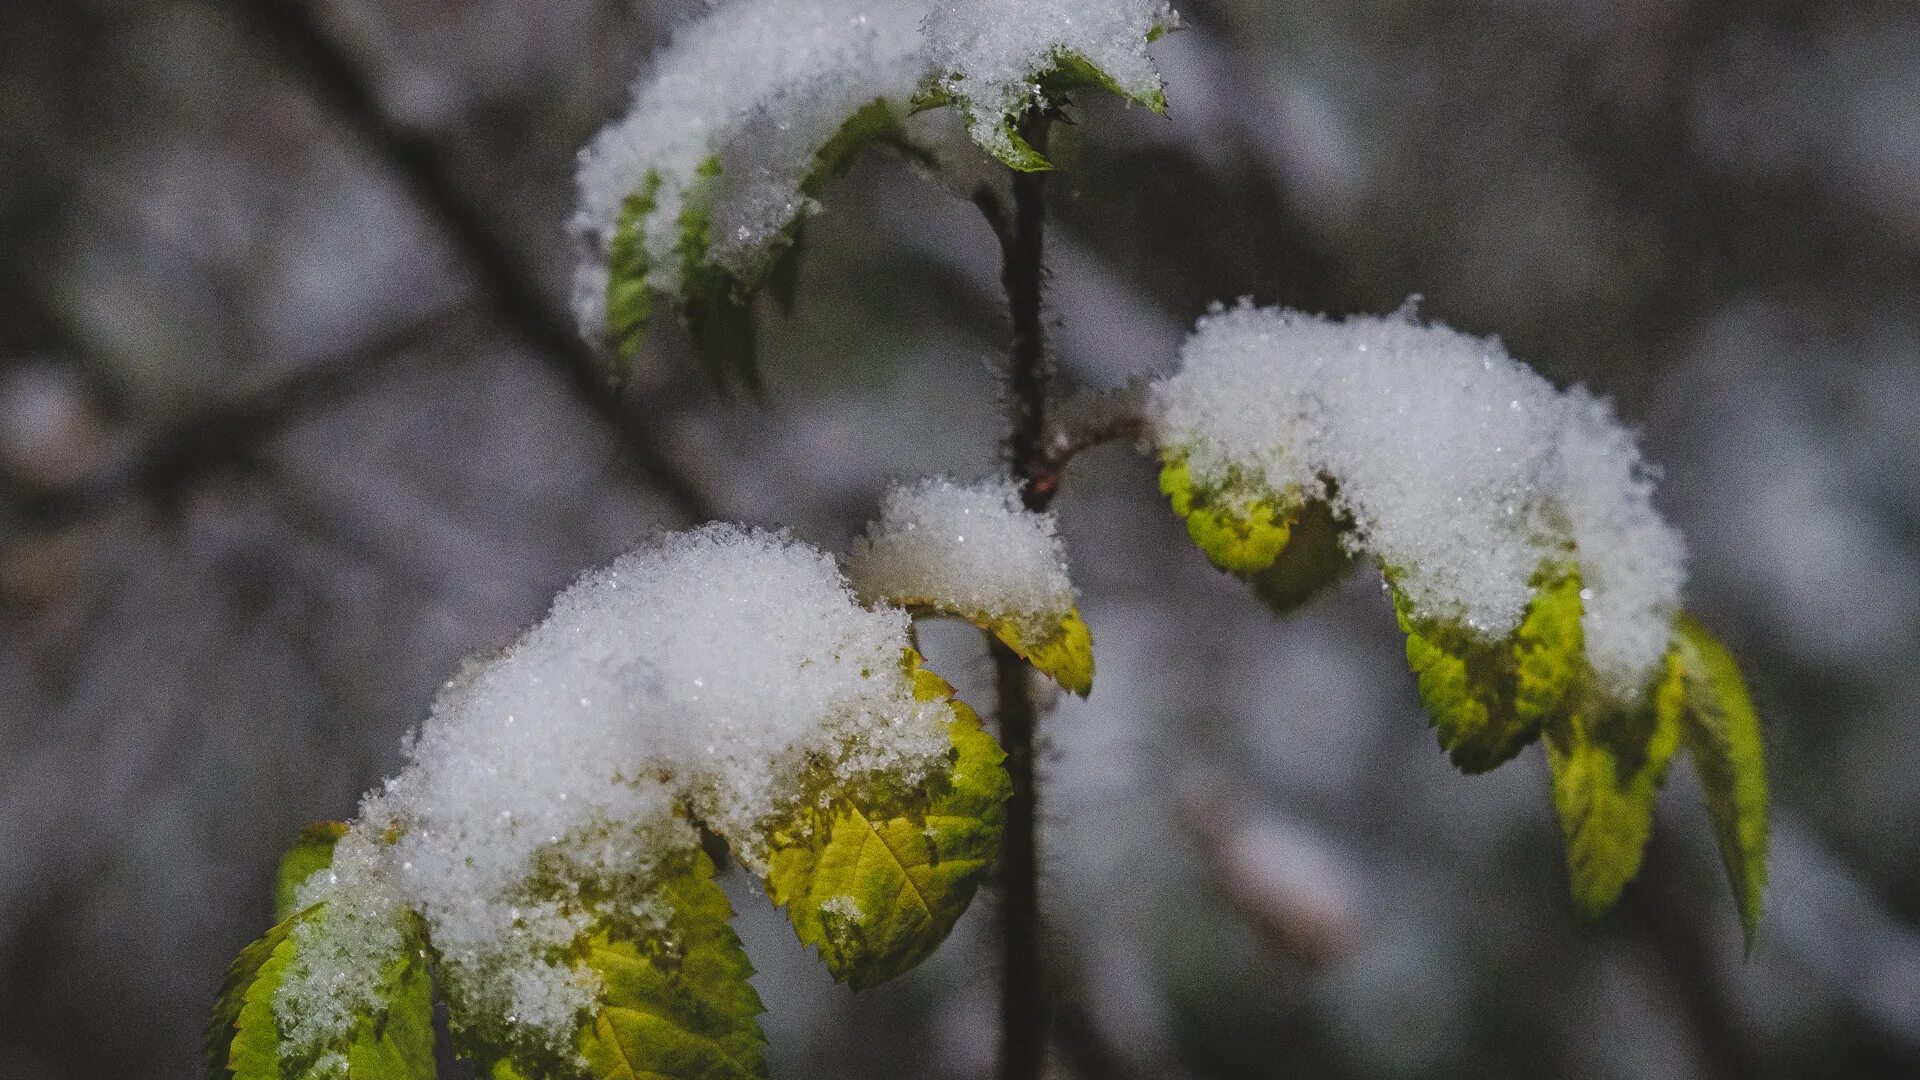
(1024, 1018)
(1090, 419)
(424, 167)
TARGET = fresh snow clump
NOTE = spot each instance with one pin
(1462, 470)
(990, 53)
(701, 668)
(758, 87)
(971, 548)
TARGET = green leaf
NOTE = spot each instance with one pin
(394, 1043)
(875, 122)
(254, 975)
(1061, 649)
(1549, 650)
(1242, 529)
(676, 1003)
(629, 293)
(311, 852)
(1722, 733)
(715, 305)
(876, 877)
(1489, 698)
(1607, 760)
(1072, 71)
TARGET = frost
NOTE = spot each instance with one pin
(970, 548)
(541, 793)
(990, 54)
(1460, 468)
(758, 87)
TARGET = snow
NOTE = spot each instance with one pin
(700, 669)
(1462, 470)
(969, 548)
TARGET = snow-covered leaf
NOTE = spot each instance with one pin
(1241, 529)
(675, 1002)
(1441, 456)
(1488, 698)
(1287, 548)
(973, 550)
(246, 1040)
(736, 130)
(875, 876)
(996, 59)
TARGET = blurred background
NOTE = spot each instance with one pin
(290, 421)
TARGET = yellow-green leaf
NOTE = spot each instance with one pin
(1722, 733)
(675, 1002)
(1242, 533)
(312, 851)
(1062, 650)
(395, 1042)
(876, 878)
(1489, 698)
(1608, 760)
(1549, 650)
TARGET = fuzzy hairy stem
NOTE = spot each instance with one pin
(1024, 1007)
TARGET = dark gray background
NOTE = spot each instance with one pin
(273, 456)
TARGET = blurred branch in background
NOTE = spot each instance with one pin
(160, 466)
(294, 31)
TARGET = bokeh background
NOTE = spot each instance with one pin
(290, 421)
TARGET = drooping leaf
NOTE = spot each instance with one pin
(715, 300)
(1607, 760)
(1243, 530)
(312, 851)
(1071, 71)
(675, 1003)
(876, 878)
(394, 1042)
(1489, 698)
(876, 122)
(1722, 733)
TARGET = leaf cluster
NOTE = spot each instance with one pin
(1490, 698)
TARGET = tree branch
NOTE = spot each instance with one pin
(1090, 419)
(1024, 1016)
(336, 80)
